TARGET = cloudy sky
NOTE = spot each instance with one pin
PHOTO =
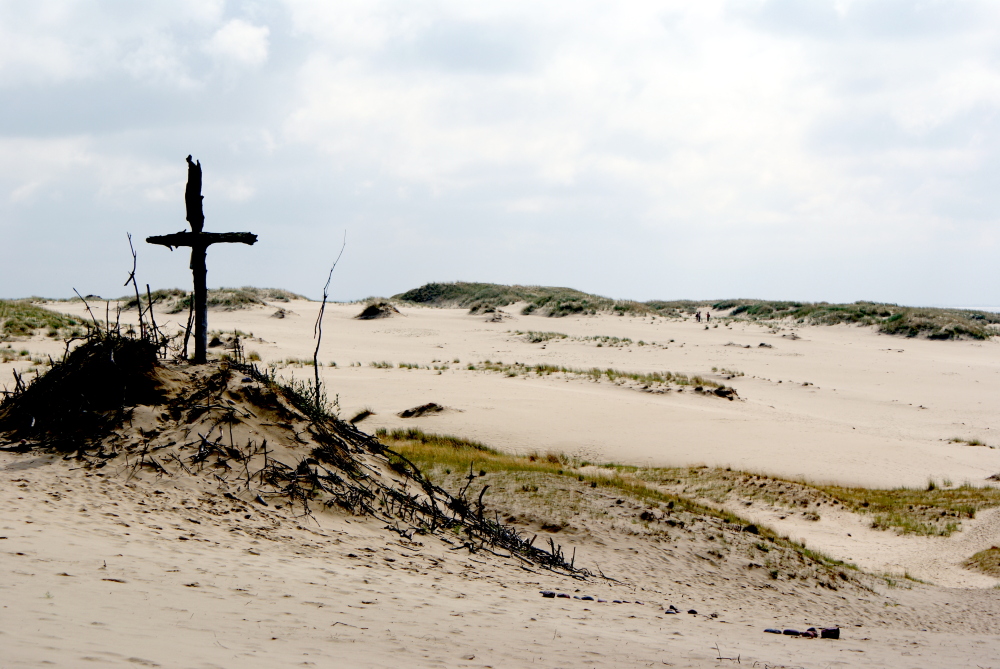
(784, 149)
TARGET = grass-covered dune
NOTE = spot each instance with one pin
(22, 318)
(933, 323)
(175, 300)
(892, 319)
(547, 300)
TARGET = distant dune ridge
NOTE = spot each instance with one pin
(556, 302)
(930, 322)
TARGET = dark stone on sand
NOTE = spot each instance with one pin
(771, 630)
(674, 609)
(751, 529)
(548, 593)
(616, 601)
(692, 612)
(809, 635)
(830, 633)
(563, 595)
(587, 598)
(792, 633)
(669, 611)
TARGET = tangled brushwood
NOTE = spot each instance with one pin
(116, 403)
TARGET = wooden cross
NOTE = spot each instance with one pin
(199, 242)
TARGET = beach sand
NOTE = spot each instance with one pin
(100, 573)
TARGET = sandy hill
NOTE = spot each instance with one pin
(146, 522)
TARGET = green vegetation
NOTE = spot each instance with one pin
(488, 297)
(987, 561)
(929, 511)
(970, 442)
(597, 374)
(439, 455)
(22, 318)
(891, 319)
(175, 300)
(887, 318)
(533, 337)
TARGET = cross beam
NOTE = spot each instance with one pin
(199, 242)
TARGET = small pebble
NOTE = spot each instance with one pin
(792, 633)
(548, 593)
(587, 598)
(771, 630)
(563, 595)
(692, 612)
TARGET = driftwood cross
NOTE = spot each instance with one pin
(199, 242)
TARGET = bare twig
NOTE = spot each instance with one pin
(318, 328)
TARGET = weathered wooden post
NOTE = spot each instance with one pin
(199, 241)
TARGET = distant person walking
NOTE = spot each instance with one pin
(708, 316)
(697, 316)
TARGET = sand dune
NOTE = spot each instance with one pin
(139, 572)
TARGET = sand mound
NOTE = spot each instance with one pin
(230, 425)
(379, 309)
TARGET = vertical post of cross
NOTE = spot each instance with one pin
(199, 241)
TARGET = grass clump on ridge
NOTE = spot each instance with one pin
(598, 374)
(22, 318)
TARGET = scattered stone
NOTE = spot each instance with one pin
(692, 612)
(830, 633)
(548, 593)
(588, 598)
(792, 633)
(771, 630)
(751, 529)
(763, 345)
(563, 595)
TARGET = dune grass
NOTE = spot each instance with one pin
(893, 319)
(932, 510)
(985, 561)
(929, 511)
(442, 454)
(932, 323)
(22, 318)
(488, 297)
(534, 337)
(597, 374)
(175, 300)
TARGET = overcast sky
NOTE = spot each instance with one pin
(813, 150)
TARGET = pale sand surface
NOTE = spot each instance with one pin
(879, 412)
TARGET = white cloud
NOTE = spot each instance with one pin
(241, 42)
